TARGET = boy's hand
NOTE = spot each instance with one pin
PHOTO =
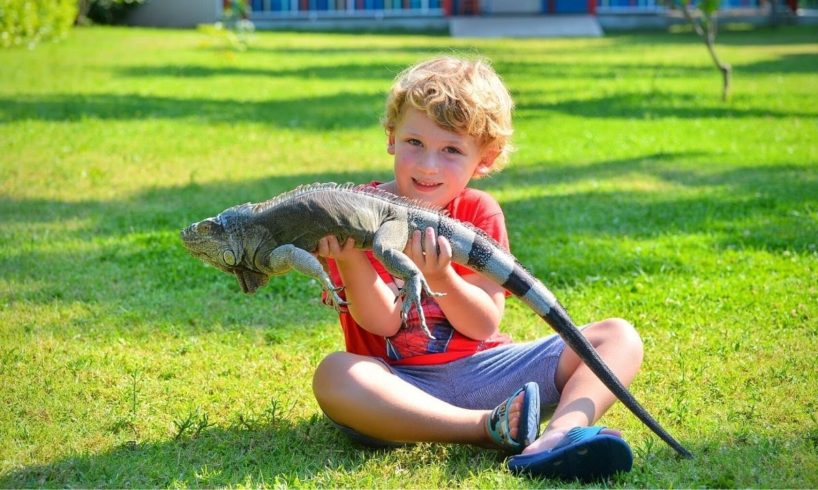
(432, 254)
(328, 247)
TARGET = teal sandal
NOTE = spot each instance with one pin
(584, 454)
(498, 427)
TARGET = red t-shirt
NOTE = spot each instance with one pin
(411, 345)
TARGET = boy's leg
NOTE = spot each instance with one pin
(583, 397)
(363, 394)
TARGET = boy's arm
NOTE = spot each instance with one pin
(473, 304)
(371, 301)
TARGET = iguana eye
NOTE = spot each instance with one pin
(208, 226)
(229, 258)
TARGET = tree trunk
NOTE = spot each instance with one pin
(708, 34)
(725, 69)
(82, 12)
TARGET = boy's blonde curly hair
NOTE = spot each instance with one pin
(460, 95)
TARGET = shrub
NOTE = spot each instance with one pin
(106, 11)
(28, 22)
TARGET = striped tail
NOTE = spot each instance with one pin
(489, 259)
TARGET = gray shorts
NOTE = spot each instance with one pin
(485, 379)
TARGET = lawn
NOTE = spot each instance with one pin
(635, 192)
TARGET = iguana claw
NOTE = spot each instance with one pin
(333, 299)
(410, 292)
(337, 302)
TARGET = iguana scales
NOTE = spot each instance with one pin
(256, 241)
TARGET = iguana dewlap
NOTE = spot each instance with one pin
(255, 241)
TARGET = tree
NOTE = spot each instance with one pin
(28, 22)
(705, 25)
(104, 11)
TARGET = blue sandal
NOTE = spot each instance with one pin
(498, 427)
(583, 454)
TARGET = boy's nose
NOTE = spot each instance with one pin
(428, 162)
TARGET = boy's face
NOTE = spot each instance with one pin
(433, 164)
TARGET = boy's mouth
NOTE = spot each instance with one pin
(426, 186)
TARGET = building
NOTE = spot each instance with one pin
(502, 17)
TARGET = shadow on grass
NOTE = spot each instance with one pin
(341, 50)
(378, 71)
(343, 110)
(368, 71)
(798, 63)
(759, 36)
(592, 69)
(788, 63)
(273, 453)
(213, 457)
(655, 105)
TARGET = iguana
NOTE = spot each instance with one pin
(256, 241)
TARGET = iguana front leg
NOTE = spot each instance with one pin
(287, 257)
(387, 246)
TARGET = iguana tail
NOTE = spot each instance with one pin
(489, 259)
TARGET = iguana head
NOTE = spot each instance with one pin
(212, 241)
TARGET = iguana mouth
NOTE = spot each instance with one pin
(250, 280)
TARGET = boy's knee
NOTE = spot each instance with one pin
(625, 335)
(340, 374)
(328, 377)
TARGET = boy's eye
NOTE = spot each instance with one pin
(453, 150)
(414, 142)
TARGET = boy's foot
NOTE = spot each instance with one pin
(551, 438)
(515, 423)
(584, 453)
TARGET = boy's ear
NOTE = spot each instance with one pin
(484, 167)
(390, 144)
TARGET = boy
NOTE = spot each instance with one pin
(447, 121)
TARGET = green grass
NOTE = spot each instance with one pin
(634, 192)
